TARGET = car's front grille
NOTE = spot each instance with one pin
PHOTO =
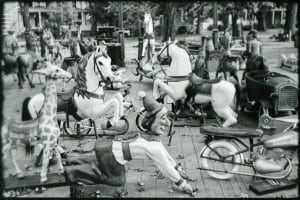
(288, 98)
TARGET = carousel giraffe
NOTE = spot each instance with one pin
(48, 128)
(45, 126)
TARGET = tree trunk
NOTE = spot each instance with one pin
(169, 22)
(166, 21)
(165, 27)
(234, 25)
(93, 20)
(261, 17)
(291, 17)
(25, 10)
(172, 27)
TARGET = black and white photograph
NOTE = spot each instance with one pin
(149, 99)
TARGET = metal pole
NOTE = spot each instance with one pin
(121, 34)
(215, 30)
(120, 15)
(215, 14)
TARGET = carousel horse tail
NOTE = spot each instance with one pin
(25, 111)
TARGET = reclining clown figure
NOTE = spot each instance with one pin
(106, 166)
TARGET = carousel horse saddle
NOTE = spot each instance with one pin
(64, 97)
(65, 102)
(231, 132)
(201, 86)
(196, 80)
(66, 94)
(23, 126)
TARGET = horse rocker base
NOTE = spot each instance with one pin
(54, 180)
(96, 191)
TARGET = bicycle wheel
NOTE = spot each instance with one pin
(78, 129)
(211, 160)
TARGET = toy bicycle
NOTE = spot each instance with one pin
(270, 156)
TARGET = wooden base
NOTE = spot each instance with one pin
(187, 122)
(91, 191)
(260, 186)
(54, 180)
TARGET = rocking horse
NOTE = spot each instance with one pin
(45, 126)
(220, 93)
(145, 66)
(21, 65)
(86, 100)
(111, 76)
(53, 54)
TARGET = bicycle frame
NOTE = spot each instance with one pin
(244, 162)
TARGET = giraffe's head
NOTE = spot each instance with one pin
(53, 72)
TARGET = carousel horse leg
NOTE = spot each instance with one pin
(60, 165)
(228, 114)
(115, 103)
(13, 155)
(29, 81)
(45, 164)
(160, 85)
(19, 80)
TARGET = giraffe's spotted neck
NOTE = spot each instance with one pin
(50, 105)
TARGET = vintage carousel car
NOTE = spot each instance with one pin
(271, 92)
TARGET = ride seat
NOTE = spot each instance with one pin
(66, 94)
(231, 132)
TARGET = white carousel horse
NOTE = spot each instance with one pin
(88, 98)
(149, 41)
(179, 69)
(52, 48)
(221, 94)
(116, 78)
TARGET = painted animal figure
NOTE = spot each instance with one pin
(200, 68)
(45, 126)
(221, 93)
(148, 43)
(88, 98)
(177, 73)
(53, 54)
(229, 64)
(14, 135)
(113, 79)
(48, 128)
(21, 65)
(254, 63)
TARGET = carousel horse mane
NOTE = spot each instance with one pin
(81, 73)
(81, 77)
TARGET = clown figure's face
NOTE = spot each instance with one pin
(161, 123)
